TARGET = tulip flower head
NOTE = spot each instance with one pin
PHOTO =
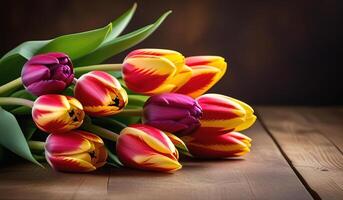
(225, 113)
(206, 71)
(54, 113)
(47, 73)
(154, 71)
(75, 151)
(171, 112)
(145, 147)
(100, 94)
(203, 144)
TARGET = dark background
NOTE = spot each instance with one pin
(279, 52)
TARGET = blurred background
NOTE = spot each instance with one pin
(279, 52)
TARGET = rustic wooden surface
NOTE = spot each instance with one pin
(296, 154)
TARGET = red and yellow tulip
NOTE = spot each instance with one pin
(203, 144)
(206, 71)
(225, 113)
(145, 147)
(155, 71)
(75, 151)
(54, 113)
(100, 94)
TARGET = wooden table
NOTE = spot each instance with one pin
(296, 154)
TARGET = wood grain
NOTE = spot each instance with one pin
(312, 141)
(262, 174)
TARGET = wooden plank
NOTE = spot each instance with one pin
(262, 174)
(27, 181)
(312, 141)
(327, 120)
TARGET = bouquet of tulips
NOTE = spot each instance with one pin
(77, 114)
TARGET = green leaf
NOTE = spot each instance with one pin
(113, 159)
(23, 94)
(119, 44)
(12, 62)
(13, 138)
(21, 110)
(27, 126)
(120, 23)
(78, 44)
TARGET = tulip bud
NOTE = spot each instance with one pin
(225, 113)
(54, 113)
(75, 151)
(171, 112)
(154, 71)
(145, 147)
(100, 94)
(203, 144)
(47, 73)
(206, 71)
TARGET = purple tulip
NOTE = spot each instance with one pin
(47, 73)
(171, 112)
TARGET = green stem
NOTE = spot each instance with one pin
(36, 145)
(131, 112)
(110, 121)
(102, 132)
(103, 67)
(15, 101)
(11, 86)
(137, 99)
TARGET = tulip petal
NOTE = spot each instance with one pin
(102, 156)
(65, 163)
(247, 124)
(145, 76)
(88, 136)
(202, 79)
(67, 144)
(172, 99)
(44, 59)
(35, 73)
(153, 137)
(46, 87)
(206, 71)
(170, 125)
(152, 112)
(174, 56)
(217, 145)
(157, 162)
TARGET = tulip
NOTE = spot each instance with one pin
(145, 147)
(206, 71)
(54, 113)
(47, 73)
(75, 151)
(154, 71)
(203, 144)
(225, 113)
(171, 112)
(100, 94)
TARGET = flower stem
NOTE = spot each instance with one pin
(11, 86)
(15, 101)
(103, 67)
(36, 145)
(102, 132)
(131, 112)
